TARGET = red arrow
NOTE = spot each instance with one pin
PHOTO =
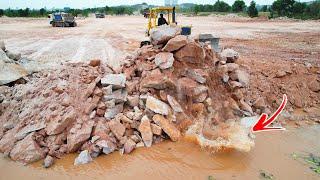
(263, 121)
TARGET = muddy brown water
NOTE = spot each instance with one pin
(185, 160)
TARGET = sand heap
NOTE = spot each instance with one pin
(159, 93)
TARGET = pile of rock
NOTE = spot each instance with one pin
(14, 68)
(95, 109)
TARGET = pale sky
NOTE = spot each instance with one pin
(37, 4)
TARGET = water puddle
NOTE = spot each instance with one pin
(185, 160)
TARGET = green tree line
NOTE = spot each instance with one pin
(27, 12)
(289, 8)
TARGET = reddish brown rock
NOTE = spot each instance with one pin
(157, 81)
(145, 130)
(8, 140)
(174, 104)
(187, 86)
(164, 60)
(60, 123)
(129, 146)
(198, 75)
(167, 127)
(175, 43)
(77, 137)
(117, 128)
(100, 112)
(95, 62)
(157, 106)
(156, 129)
(101, 129)
(27, 151)
(246, 107)
(192, 53)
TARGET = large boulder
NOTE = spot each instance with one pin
(167, 127)
(192, 53)
(157, 106)
(164, 60)
(27, 151)
(163, 34)
(175, 43)
(145, 130)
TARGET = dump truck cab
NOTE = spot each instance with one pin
(62, 19)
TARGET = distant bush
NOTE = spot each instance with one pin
(294, 9)
(238, 6)
(252, 10)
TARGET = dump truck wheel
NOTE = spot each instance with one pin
(53, 24)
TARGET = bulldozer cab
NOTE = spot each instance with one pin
(169, 14)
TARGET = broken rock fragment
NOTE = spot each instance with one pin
(77, 137)
(167, 127)
(156, 129)
(27, 151)
(191, 53)
(112, 112)
(129, 146)
(48, 161)
(119, 95)
(116, 80)
(157, 106)
(197, 74)
(145, 130)
(157, 81)
(175, 43)
(117, 128)
(83, 158)
(164, 60)
(229, 55)
(59, 123)
(174, 104)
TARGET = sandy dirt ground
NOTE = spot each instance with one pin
(264, 46)
(112, 38)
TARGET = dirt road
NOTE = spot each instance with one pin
(110, 39)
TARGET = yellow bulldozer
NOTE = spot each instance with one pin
(170, 15)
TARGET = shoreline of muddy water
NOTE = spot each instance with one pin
(185, 160)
